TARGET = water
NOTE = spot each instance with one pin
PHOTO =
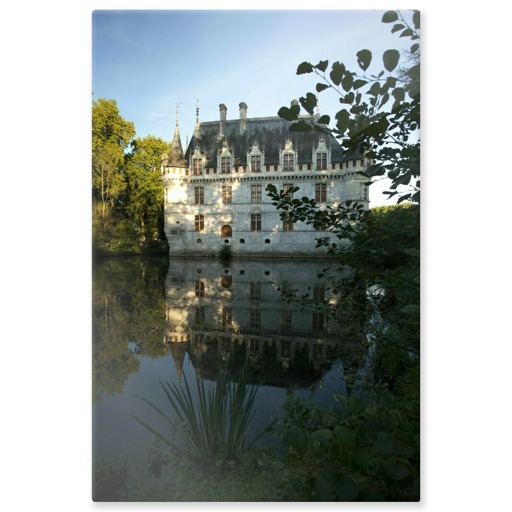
(157, 321)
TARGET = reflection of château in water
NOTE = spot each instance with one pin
(216, 313)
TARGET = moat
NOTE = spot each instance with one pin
(158, 320)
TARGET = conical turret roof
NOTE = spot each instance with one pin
(176, 157)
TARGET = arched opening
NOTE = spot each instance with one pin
(226, 231)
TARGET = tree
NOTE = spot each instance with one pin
(111, 135)
(144, 190)
(380, 113)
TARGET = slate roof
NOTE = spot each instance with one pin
(271, 133)
(175, 157)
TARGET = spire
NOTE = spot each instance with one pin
(196, 129)
(176, 157)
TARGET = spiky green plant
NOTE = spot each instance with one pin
(215, 426)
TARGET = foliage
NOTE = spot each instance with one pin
(128, 304)
(225, 254)
(111, 135)
(127, 216)
(144, 188)
(365, 449)
(380, 113)
(215, 427)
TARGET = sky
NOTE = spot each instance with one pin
(151, 62)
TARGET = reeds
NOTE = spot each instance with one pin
(215, 425)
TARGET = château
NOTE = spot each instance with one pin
(215, 191)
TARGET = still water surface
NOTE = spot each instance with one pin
(157, 321)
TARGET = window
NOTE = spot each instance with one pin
(255, 193)
(255, 318)
(321, 161)
(318, 292)
(255, 292)
(333, 166)
(318, 321)
(286, 319)
(198, 195)
(226, 194)
(227, 317)
(321, 192)
(300, 167)
(287, 225)
(200, 315)
(288, 162)
(225, 164)
(256, 222)
(255, 163)
(199, 223)
(199, 288)
(287, 187)
(197, 166)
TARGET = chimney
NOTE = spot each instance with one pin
(243, 117)
(294, 102)
(223, 110)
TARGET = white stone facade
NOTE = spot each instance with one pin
(218, 197)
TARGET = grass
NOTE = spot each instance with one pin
(214, 426)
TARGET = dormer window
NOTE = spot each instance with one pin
(288, 162)
(288, 157)
(224, 158)
(255, 158)
(197, 162)
(321, 161)
(255, 163)
(197, 166)
(321, 155)
(225, 164)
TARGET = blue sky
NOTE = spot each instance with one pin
(151, 60)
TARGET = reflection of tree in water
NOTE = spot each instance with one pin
(128, 306)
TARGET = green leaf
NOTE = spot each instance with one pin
(364, 58)
(301, 126)
(415, 47)
(295, 110)
(343, 118)
(384, 443)
(325, 119)
(323, 435)
(397, 27)
(321, 87)
(322, 65)
(411, 309)
(391, 58)
(337, 72)
(389, 17)
(407, 33)
(375, 89)
(309, 102)
(287, 114)
(347, 81)
(304, 67)
(359, 83)
(349, 98)
(399, 94)
(416, 19)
